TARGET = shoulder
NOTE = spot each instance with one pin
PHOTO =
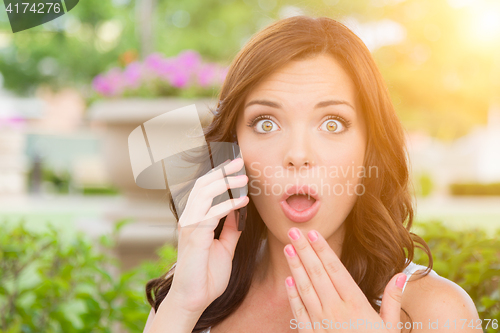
(436, 298)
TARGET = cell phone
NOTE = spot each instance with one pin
(231, 151)
(242, 212)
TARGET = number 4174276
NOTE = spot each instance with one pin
(35, 8)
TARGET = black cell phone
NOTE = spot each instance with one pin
(242, 212)
(225, 151)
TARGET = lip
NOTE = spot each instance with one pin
(295, 215)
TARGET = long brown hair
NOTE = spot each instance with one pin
(378, 240)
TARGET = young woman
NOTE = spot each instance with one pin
(327, 245)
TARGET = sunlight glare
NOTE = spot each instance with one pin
(486, 22)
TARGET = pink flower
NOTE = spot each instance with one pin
(189, 59)
(115, 78)
(103, 86)
(206, 75)
(181, 72)
(109, 84)
(132, 74)
(167, 68)
(179, 78)
(154, 62)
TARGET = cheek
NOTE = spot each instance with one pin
(260, 161)
(343, 173)
(255, 166)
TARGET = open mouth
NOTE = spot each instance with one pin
(300, 202)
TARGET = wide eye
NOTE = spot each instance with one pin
(332, 125)
(265, 126)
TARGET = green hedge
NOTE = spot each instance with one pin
(424, 184)
(100, 190)
(475, 189)
(52, 284)
(471, 259)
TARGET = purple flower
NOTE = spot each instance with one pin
(167, 68)
(206, 75)
(115, 78)
(132, 74)
(189, 59)
(179, 78)
(109, 84)
(154, 62)
(181, 71)
(102, 85)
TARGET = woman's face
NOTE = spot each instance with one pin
(289, 134)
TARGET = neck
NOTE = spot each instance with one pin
(273, 269)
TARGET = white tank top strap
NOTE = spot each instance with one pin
(409, 270)
(412, 268)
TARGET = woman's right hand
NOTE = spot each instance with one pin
(204, 263)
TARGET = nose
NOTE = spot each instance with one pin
(299, 152)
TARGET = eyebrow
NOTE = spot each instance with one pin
(319, 105)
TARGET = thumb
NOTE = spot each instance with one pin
(390, 310)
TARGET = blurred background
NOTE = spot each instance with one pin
(79, 239)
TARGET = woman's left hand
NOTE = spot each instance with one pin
(323, 293)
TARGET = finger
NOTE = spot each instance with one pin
(304, 285)
(219, 172)
(209, 178)
(230, 234)
(299, 311)
(327, 294)
(201, 240)
(204, 196)
(222, 185)
(201, 233)
(204, 230)
(193, 211)
(390, 310)
(347, 288)
(222, 209)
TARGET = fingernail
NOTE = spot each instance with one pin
(290, 250)
(313, 235)
(400, 281)
(294, 233)
(289, 281)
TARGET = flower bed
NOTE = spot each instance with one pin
(185, 75)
